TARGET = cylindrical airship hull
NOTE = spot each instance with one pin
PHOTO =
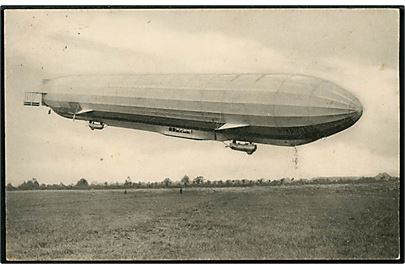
(278, 109)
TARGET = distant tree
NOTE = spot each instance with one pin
(35, 183)
(115, 185)
(51, 186)
(185, 180)
(10, 187)
(299, 182)
(29, 185)
(275, 182)
(23, 186)
(167, 182)
(82, 183)
(198, 180)
(128, 182)
(383, 177)
(237, 182)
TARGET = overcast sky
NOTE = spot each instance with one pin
(355, 48)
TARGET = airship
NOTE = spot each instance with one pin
(241, 110)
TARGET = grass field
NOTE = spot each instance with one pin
(285, 222)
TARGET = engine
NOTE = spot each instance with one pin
(249, 148)
(96, 125)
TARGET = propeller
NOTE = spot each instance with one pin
(226, 145)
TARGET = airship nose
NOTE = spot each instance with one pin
(332, 108)
(357, 109)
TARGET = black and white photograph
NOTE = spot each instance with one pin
(202, 133)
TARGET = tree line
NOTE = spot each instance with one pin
(198, 181)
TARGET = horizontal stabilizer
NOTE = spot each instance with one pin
(33, 99)
(84, 111)
(231, 125)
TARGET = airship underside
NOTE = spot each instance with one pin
(278, 109)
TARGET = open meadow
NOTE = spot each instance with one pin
(337, 221)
